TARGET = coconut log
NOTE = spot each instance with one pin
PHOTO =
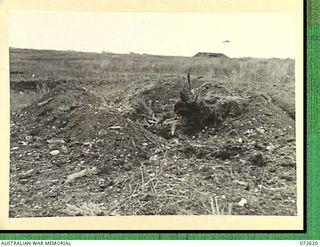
(209, 109)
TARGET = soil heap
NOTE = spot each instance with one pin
(152, 152)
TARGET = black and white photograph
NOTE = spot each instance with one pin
(152, 114)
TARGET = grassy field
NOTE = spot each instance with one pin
(276, 76)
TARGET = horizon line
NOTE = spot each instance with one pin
(142, 54)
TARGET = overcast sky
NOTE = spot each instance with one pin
(250, 34)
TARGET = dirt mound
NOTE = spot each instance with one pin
(62, 99)
(73, 120)
(161, 96)
(86, 156)
(150, 104)
(48, 116)
(70, 135)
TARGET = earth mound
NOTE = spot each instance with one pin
(74, 154)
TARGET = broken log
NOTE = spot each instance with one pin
(209, 109)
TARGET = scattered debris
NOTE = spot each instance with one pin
(56, 141)
(243, 202)
(258, 159)
(54, 152)
(84, 172)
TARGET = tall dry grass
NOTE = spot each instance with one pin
(53, 64)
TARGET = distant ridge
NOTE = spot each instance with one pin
(210, 54)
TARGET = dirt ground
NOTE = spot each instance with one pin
(101, 149)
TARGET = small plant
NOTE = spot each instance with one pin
(42, 89)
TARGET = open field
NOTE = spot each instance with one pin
(99, 134)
